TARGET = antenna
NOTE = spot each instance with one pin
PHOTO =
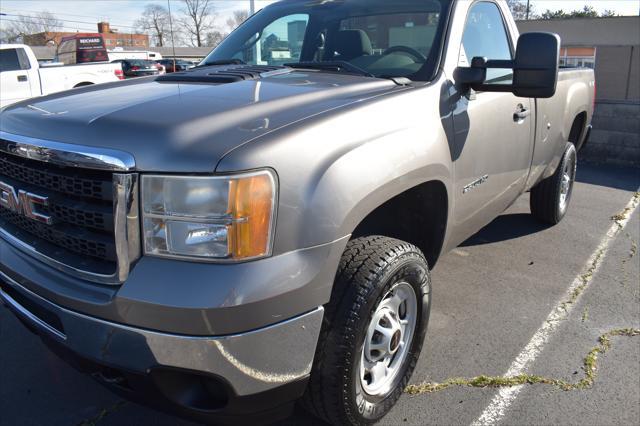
(173, 44)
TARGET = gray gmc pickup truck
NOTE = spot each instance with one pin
(259, 230)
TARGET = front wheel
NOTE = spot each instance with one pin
(372, 333)
(550, 198)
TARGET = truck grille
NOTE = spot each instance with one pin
(33, 173)
(80, 204)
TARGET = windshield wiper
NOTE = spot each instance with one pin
(336, 66)
(234, 61)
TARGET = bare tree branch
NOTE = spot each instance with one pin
(155, 20)
(25, 25)
(198, 19)
(238, 17)
(519, 9)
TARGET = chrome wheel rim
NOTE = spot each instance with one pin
(388, 339)
(566, 184)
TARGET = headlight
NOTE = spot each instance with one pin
(210, 218)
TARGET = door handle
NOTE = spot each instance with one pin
(22, 78)
(521, 113)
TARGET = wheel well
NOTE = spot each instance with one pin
(84, 83)
(417, 216)
(577, 128)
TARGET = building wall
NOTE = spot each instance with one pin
(615, 138)
(616, 125)
(617, 44)
(47, 53)
(129, 40)
(111, 39)
(614, 31)
(618, 73)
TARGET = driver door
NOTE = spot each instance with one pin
(492, 153)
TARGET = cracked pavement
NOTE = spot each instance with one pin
(490, 296)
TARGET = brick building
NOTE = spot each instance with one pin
(112, 38)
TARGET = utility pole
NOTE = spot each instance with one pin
(528, 8)
(252, 7)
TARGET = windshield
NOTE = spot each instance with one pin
(399, 38)
(141, 63)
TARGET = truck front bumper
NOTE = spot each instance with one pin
(199, 376)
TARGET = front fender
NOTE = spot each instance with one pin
(336, 168)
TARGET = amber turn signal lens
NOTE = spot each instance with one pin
(251, 205)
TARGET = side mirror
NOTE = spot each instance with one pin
(535, 68)
(535, 74)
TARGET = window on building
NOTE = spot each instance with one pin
(577, 57)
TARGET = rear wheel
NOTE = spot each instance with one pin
(550, 198)
(372, 333)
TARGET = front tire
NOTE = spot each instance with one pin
(372, 333)
(550, 198)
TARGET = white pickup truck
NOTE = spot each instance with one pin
(21, 77)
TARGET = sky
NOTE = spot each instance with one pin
(122, 13)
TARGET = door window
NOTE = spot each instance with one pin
(485, 35)
(9, 60)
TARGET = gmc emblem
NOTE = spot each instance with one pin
(23, 202)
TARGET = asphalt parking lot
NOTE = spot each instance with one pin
(492, 295)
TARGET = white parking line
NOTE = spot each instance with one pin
(505, 397)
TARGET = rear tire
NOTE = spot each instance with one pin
(379, 310)
(551, 197)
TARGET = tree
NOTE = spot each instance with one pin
(155, 20)
(215, 37)
(238, 17)
(519, 9)
(585, 12)
(554, 14)
(9, 34)
(25, 25)
(198, 20)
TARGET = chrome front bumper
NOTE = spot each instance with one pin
(252, 362)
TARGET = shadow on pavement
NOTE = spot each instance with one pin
(511, 226)
(300, 418)
(506, 227)
(625, 178)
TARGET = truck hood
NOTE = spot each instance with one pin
(184, 127)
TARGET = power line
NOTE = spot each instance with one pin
(59, 13)
(93, 30)
(63, 26)
(73, 28)
(65, 20)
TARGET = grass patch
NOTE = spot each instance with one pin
(620, 217)
(585, 314)
(590, 368)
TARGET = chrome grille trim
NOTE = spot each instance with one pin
(126, 222)
(65, 154)
(125, 200)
